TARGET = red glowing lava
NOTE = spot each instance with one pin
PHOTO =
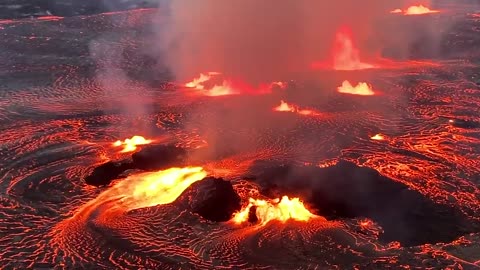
(130, 145)
(276, 209)
(285, 107)
(215, 84)
(212, 85)
(361, 88)
(345, 55)
(415, 10)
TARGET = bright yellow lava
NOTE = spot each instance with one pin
(361, 88)
(277, 209)
(378, 137)
(162, 187)
(130, 145)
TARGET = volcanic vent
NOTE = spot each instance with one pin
(345, 190)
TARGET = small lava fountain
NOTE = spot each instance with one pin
(282, 210)
(130, 145)
(361, 88)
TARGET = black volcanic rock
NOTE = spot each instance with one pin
(346, 190)
(214, 199)
(105, 173)
(466, 124)
(150, 158)
(158, 157)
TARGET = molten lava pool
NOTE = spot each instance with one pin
(327, 176)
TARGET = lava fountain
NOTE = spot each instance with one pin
(285, 107)
(345, 55)
(281, 210)
(130, 145)
(361, 88)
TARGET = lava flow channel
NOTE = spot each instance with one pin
(146, 189)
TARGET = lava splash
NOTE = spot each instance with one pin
(286, 107)
(361, 88)
(276, 209)
(130, 144)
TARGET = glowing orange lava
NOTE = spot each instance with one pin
(285, 107)
(162, 187)
(146, 189)
(204, 82)
(215, 84)
(361, 88)
(276, 209)
(415, 10)
(378, 137)
(130, 145)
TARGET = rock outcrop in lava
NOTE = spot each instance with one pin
(150, 158)
(346, 190)
(106, 172)
(213, 198)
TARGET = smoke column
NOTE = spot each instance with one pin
(260, 40)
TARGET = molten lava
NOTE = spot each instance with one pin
(378, 137)
(209, 83)
(147, 189)
(285, 107)
(215, 84)
(361, 88)
(415, 10)
(162, 187)
(276, 209)
(130, 145)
